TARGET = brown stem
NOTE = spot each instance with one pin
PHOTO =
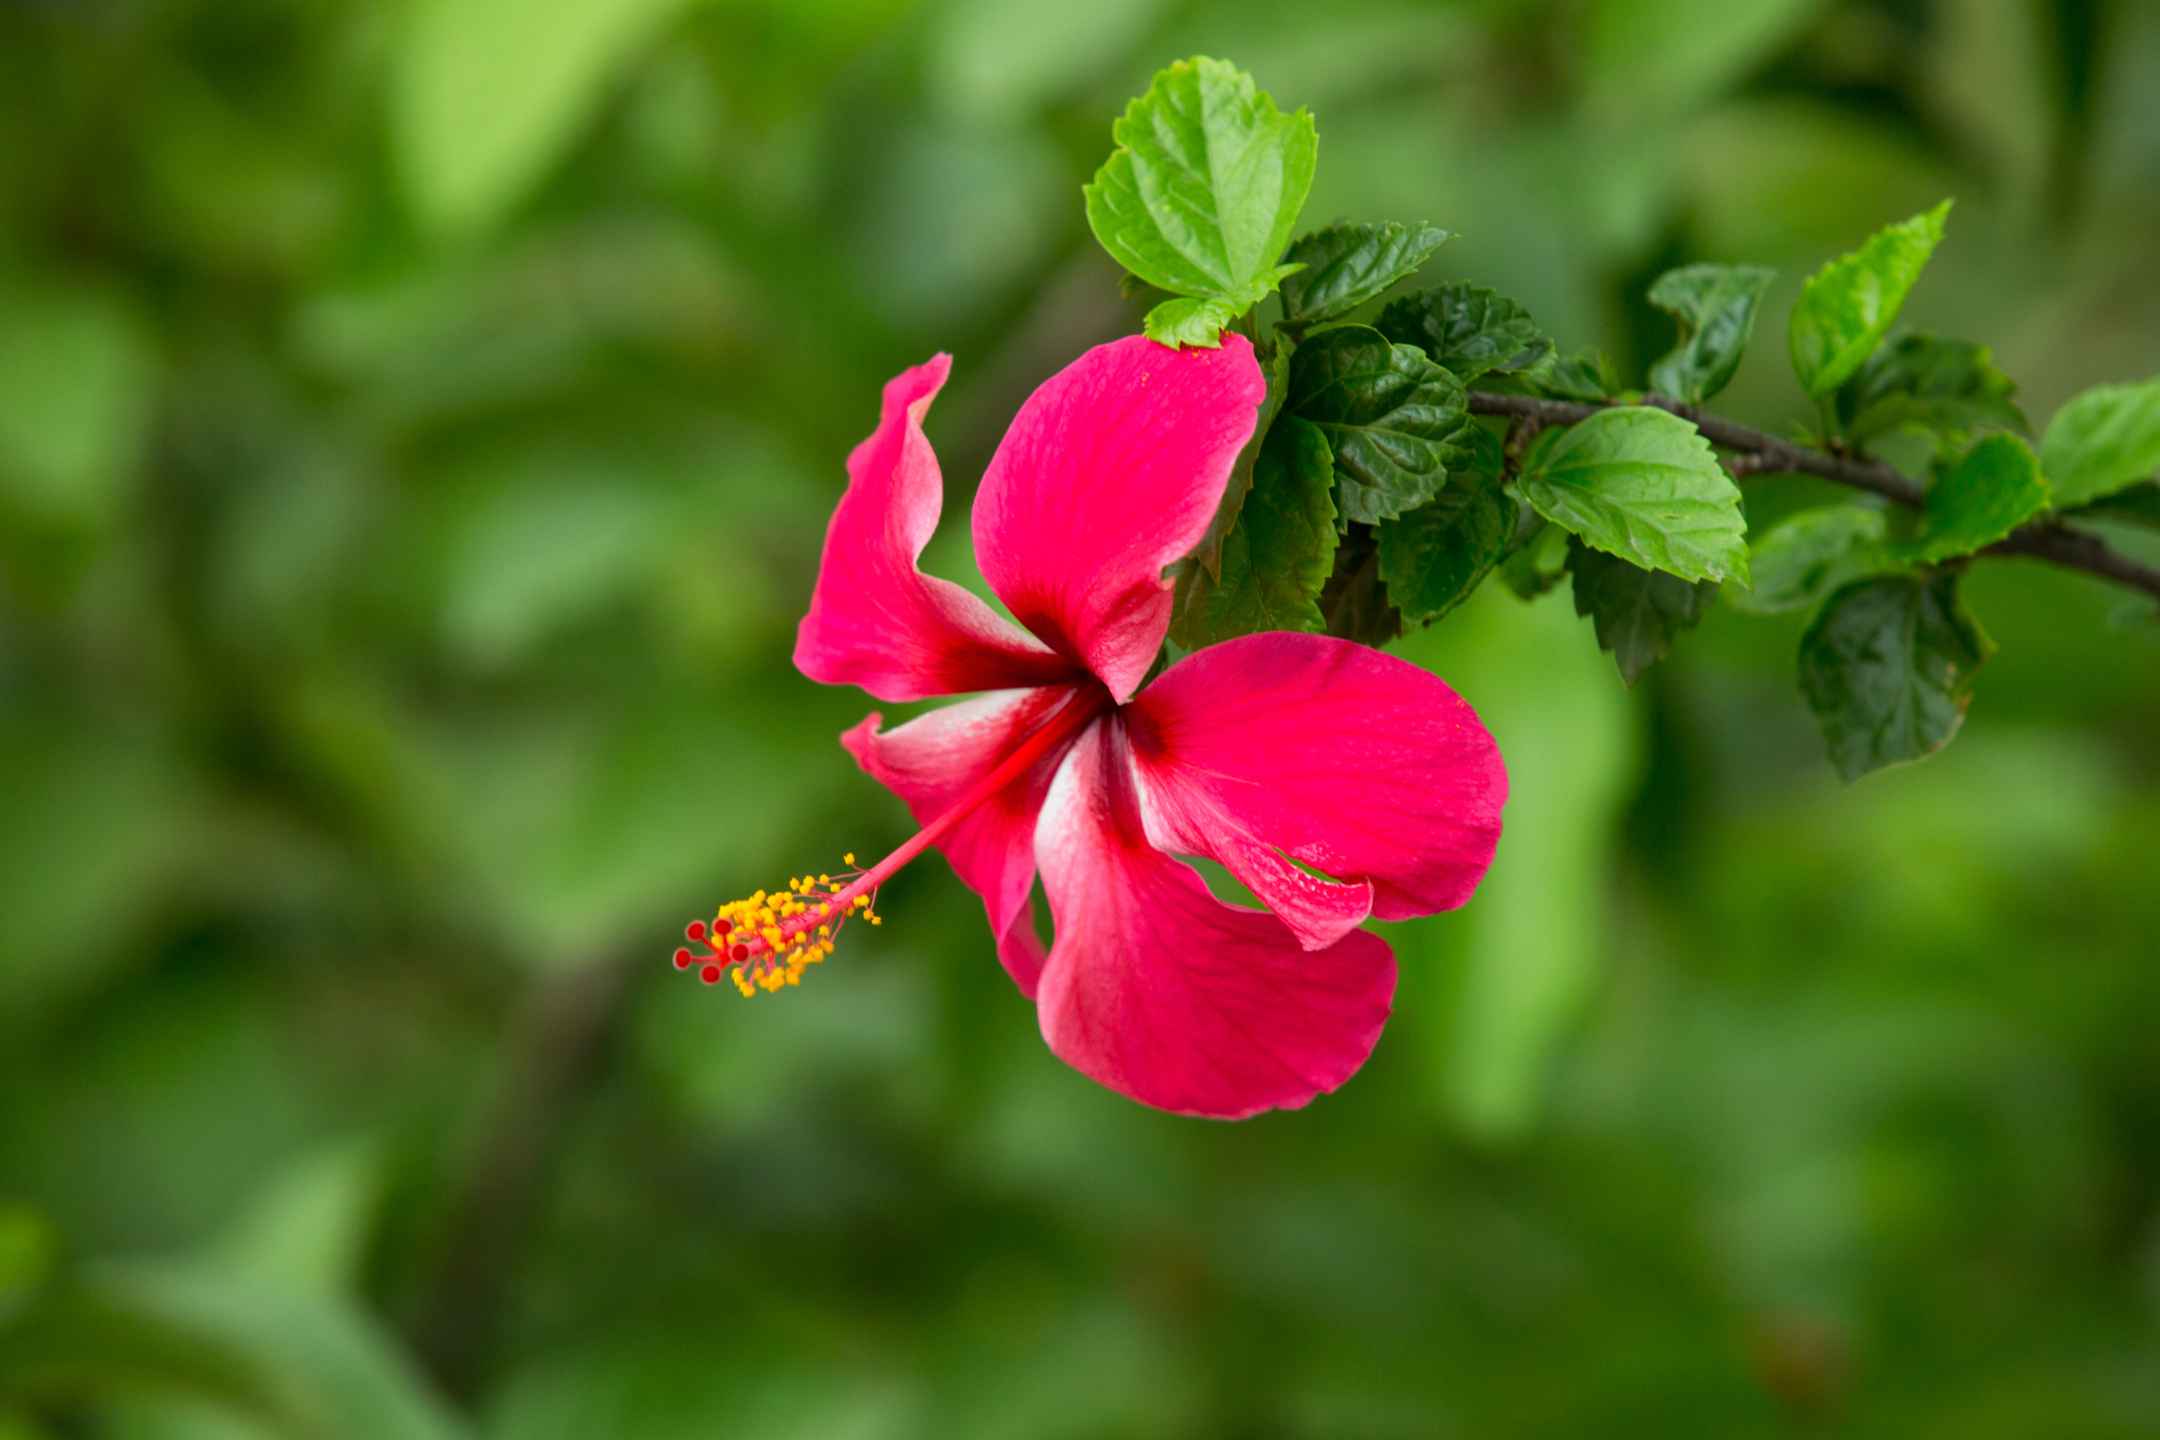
(2048, 539)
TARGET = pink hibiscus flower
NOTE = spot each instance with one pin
(1336, 782)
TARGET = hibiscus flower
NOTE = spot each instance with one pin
(1335, 782)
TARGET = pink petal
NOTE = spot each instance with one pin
(1354, 762)
(877, 621)
(930, 761)
(1111, 471)
(1162, 992)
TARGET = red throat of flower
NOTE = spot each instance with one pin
(766, 940)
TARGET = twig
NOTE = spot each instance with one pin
(2048, 540)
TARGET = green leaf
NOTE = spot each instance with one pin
(1279, 556)
(1995, 488)
(1346, 265)
(486, 94)
(1433, 557)
(1388, 414)
(1201, 195)
(1585, 376)
(1185, 321)
(1851, 303)
(1537, 558)
(1642, 484)
(1207, 556)
(2102, 441)
(2138, 505)
(1950, 389)
(1468, 329)
(1812, 554)
(1888, 669)
(1636, 612)
(1355, 604)
(77, 383)
(1715, 305)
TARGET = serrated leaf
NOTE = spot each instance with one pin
(1355, 605)
(1388, 414)
(1949, 388)
(1715, 305)
(1201, 195)
(1433, 558)
(1346, 265)
(1470, 330)
(2102, 441)
(1279, 556)
(485, 94)
(1636, 612)
(1812, 554)
(1888, 669)
(1276, 366)
(2138, 505)
(1186, 321)
(1642, 484)
(1850, 304)
(1993, 489)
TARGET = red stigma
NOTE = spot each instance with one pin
(695, 930)
(710, 974)
(682, 957)
(722, 927)
(740, 952)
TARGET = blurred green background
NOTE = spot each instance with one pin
(417, 423)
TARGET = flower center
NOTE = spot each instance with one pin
(766, 940)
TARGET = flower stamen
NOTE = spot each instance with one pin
(770, 938)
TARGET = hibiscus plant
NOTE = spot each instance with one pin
(1272, 488)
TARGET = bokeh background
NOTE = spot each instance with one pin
(417, 423)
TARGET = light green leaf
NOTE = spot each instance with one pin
(1851, 303)
(1433, 558)
(1586, 376)
(485, 95)
(1279, 556)
(1715, 305)
(1812, 554)
(1346, 265)
(2103, 441)
(1636, 612)
(1995, 488)
(1186, 321)
(1201, 195)
(1642, 484)
(1468, 329)
(1950, 389)
(1888, 669)
(1388, 414)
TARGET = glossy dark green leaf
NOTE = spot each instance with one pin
(1202, 193)
(1888, 669)
(1279, 555)
(1276, 366)
(1994, 487)
(2104, 440)
(1389, 415)
(1355, 604)
(1643, 484)
(1636, 612)
(1346, 265)
(1433, 557)
(1811, 554)
(1715, 305)
(1850, 304)
(1470, 330)
(1950, 389)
